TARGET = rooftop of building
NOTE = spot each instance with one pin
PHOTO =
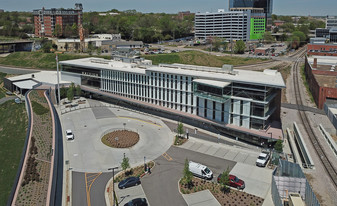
(48, 77)
(323, 60)
(326, 80)
(270, 78)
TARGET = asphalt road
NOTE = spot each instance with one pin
(97, 189)
(14, 70)
(161, 187)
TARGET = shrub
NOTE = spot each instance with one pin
(38, 108)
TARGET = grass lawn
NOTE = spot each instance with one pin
(200, 58)
(38, 60)
(13, 128)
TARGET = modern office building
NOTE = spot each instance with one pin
(45, 20)
(266, 5)
(236, 99)
(244, 24)
(331, 21)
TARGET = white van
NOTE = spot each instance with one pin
(200, 170)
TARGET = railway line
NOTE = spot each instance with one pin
(304, 118)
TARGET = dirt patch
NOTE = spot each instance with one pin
(120, 139)
(232, 197)
(334, 137)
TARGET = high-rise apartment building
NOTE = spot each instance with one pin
(266, 5)
(331, 21)
(45, 20)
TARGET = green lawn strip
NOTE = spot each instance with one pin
(304, 78)
(200, 58)
(13, 128)
(39, 60)
(38, 108)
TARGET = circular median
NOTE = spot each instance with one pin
(120, 139)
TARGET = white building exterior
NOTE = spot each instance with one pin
(243, 98)
(233, 25)
(331, 22)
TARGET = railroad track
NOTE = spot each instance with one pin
(313, 138)
(299, 52)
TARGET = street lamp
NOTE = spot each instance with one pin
(271, 138)
(113, 182)
(124, 125)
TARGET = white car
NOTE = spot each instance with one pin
(262, 160)
(69, 134)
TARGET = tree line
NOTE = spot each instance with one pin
(16, 24)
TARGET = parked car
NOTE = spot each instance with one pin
(262, 160)
(137, 202)
(129, 182)
(69, 134)
(200, 170)
(234, 181)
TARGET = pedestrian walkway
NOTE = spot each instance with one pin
(201, 198)
(233, 153)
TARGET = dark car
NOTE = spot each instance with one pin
(137, 202)
(234, 181)
(129, 182)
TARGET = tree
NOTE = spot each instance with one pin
(300, 35)
(78, 90)
(46, 47)
(70, 92)
(180, 129)
(57, 31)
(279, 146)
(187, 175)
(239, 47)
(224, 180)
(63, 92)
(74, 29)
(125, 163)
(268, 38)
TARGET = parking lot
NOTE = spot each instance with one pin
(127, 194)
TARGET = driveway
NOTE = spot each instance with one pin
(88, 154)
(161, 187)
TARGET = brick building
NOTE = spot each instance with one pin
(45, 20)
(322, 49)
(321, 77)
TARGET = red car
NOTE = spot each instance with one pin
(234, 181)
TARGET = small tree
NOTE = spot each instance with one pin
(224, 180)
(187, 178)
(239, 47)
(180, 129)
(279, 146)
(125, 163)
(70, 92)
(63, 92)
(78, 90)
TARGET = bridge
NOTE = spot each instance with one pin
(17, 45)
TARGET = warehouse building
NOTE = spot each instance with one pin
(234, 99)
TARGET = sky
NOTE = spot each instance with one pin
(281, 7)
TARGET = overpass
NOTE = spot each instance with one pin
(16, 45)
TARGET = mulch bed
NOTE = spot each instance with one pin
(120, 139)
(136, 171)
(232, 198)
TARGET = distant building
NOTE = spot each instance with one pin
(45, 20)
(266, 5)
(238, 24)
(331, 21)
(1, 10)
(108, 14)
(278, 23)
(182, 14)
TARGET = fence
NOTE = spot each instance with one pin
(289, 178)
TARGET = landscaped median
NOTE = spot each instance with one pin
(35, 180)
(221, 191)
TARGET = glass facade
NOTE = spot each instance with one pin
(267, 5)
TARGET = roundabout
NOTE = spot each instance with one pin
(120, 139)
(87, 152)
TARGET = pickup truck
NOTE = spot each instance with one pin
(263, 158)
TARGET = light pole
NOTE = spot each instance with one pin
(271, 138)
(124, 125)
(113, 182)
